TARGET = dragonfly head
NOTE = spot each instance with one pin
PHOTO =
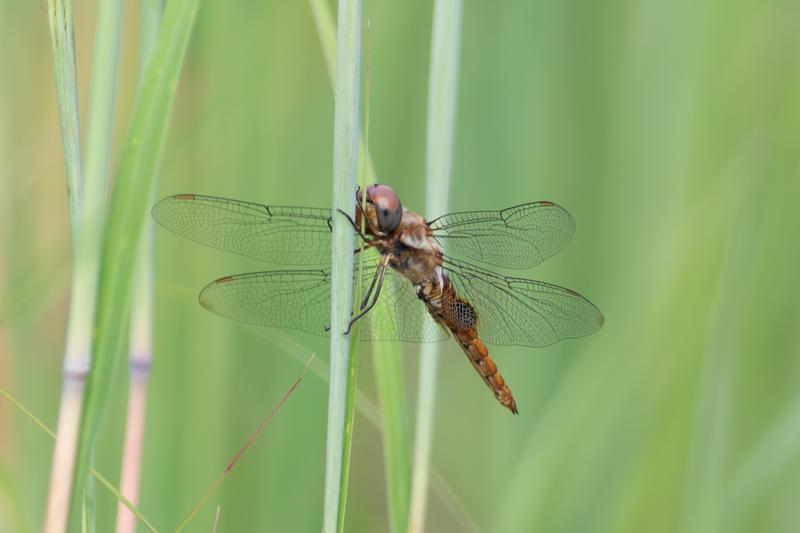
(383, 208)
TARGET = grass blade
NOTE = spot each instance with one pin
(396, 438)
(62, 39)
(105, 57)
(101, 106)
(75, 359)
(442, 96)
(140, 349)
(139, 158)
(345, 167)
(97, 475)
(87, 208)
(323, 19)
(388, 362)
(232, 463)
(372, 414)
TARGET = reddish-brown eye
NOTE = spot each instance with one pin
(387, 207)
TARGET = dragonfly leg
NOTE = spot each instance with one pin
(366, 245)
(355, 226)
(380, 273)
(371, 287)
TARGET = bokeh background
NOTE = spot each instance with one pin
(671, 132)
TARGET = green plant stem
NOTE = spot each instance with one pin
(64, 68)
(372, 414)
(345, 167)
(102, 93)
(138, 162)
(101, 108)
(388, 362)
(442, 97)
(323, 19)
(87, 200)
(140, 357)
(396, 439)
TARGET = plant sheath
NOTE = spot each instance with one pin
(87, 193)
(137, 165)
(442, 96)
(140, 348)
(345, 167)
(76, 359)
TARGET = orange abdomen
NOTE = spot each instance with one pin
(460, 317)
(478, 355)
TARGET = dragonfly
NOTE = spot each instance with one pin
(425, 280)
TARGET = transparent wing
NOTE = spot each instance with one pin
(522, 312)
(300, 299)
(273, 234)
(519, 237)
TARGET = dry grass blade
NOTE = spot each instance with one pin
(245, 446)
(98, 476)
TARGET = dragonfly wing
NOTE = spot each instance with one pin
(273, 234)
(292, 299)
(519, 237)
(522, 312)
(300, 299)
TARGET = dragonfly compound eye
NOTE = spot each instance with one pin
(387, 207)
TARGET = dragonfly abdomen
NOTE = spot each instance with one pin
(460, 318)
(478, 355)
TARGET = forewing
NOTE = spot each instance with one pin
(522, 312)
(273, 234)
(519, 237)
(300, 299)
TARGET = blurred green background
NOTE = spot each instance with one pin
(671, 132)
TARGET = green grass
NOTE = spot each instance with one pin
(342, 387)
(62, 39)
(390, 383)
(440, 133)
(87, 198)
(140, 345)
(136, 169)
(388, 363)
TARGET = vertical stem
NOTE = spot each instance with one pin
(63, 44)
(138, 161)
(323, 19)
(442, 96)
(388, 361)
(390, 382)
(88, 201)
(75, 360)
(345, 167)
(140, 350)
